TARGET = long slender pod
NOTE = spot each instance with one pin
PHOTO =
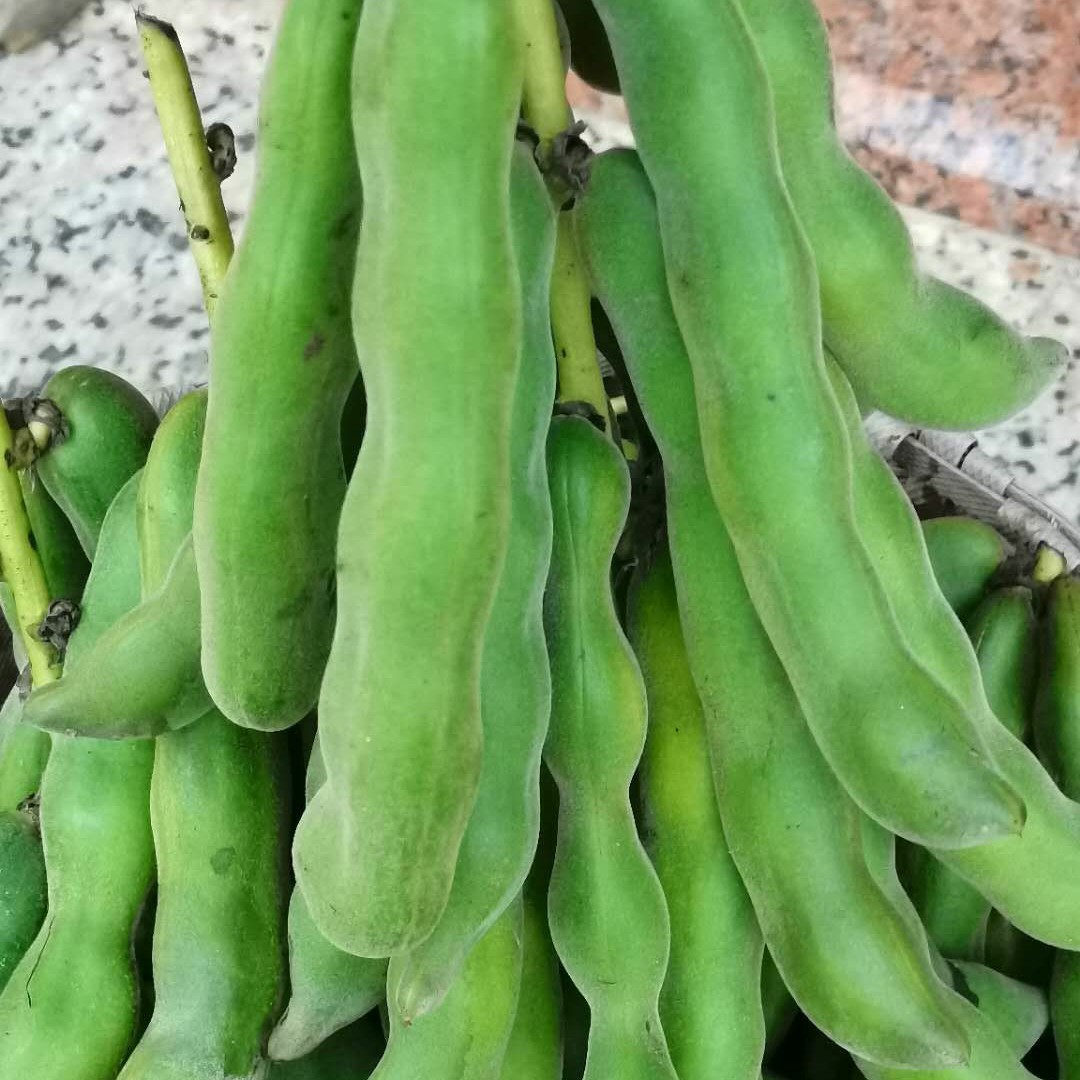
(328, 988)
(910, 344)
(1057, 735)
(1033, 878)
(424, 527)
(515, 679)
(604, 891)
(537, 1046)
(711, 997)
(63, 559)
(466, 1037)
(858, 970)
(71, 1006)
(218, 806)
(745, 294)
(282, 362)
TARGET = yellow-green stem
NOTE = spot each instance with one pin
(20, 566)
(197, 184)
(547, 113)
(571, 325)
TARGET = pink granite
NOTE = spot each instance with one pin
(966, 107)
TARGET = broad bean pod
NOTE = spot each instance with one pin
(328, 988)
(1019, 1011)
(988, 1029)
(23, 896)
(1057, 734)
(910, 344)
(710, 1004)
(218, 805)
(424, 526)
(515, 678)
(282, 363)
(965, 554)
(143, 675)
(71, 1006)
(466, 1037)
(861, 973)
(536, 1050)
(745, 293)
(1034, 878)
(604, 891)
(55, 540)
(106, 430)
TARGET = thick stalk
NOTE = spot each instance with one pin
(209, 235)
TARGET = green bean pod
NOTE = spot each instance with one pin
(282, 362)
(744, 291)
(328, 988)
(62, 556)
(466, 1037)
(349, 1054)
(143, 676)
(712, 991)
(604, 892)
(534, 1050)
(992, 1058)
(24, 750)
(23, 896)
(71, 1006)
(424, 527)
(218, 808)
(1033, 878)
(1002, 632)
(965, 554)
(1019, 1011)
(108, 427)
(911, 345)
(988, 1028)
(859, 971)
(1057, 735)
(538, 1041)
(515, 678)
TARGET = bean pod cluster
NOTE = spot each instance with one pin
(516, 662)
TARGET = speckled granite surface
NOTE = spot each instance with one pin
(967, 106)
(94, 265)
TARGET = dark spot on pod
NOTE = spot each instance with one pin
(200, 232)
(222, 859)
(314, 346)
(770, 397)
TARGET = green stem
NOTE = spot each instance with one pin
(548, 114)
(197, 184)
(20, 565)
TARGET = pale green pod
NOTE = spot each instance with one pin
(712, 990)
(744, 291)
(466, 1037)
(604, 893)
(282, 362)
(515, 679)
(858, 969)
(424, 526)
(911, 345)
